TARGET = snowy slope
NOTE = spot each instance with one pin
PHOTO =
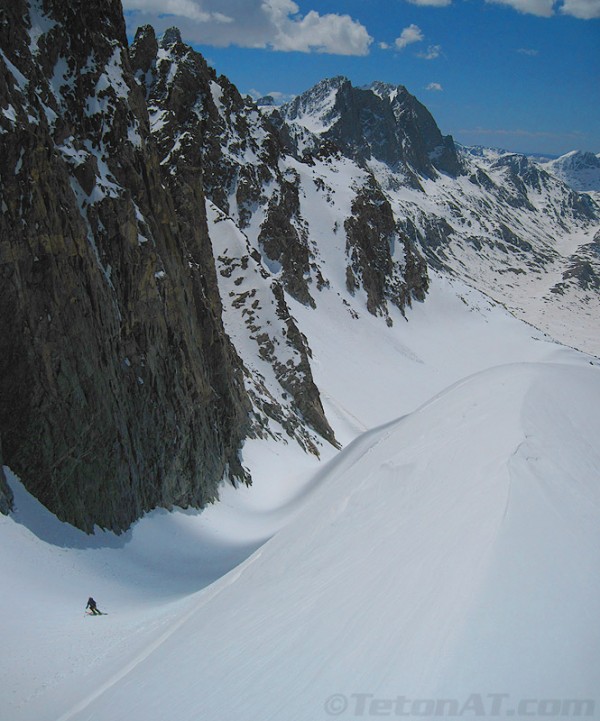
(472, 514)
(425, 574)
(511, 231)
(449, 549)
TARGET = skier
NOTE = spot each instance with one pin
(91, 604)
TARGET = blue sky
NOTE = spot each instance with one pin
(518, 74)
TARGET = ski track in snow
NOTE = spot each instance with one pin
(152, 647)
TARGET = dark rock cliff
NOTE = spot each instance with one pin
(119, 390)
(426, 149)
(282, 241)
(6, 496)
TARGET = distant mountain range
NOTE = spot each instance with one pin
(158, 230)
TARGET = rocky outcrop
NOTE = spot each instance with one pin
(119, 389)
(6, 494)
(282, 241)
(583, 269)
(192, 111)
(297, 379)
(378, 255)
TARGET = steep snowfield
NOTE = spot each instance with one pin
(452, 551)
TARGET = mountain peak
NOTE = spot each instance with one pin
(170, 37)
(267, 101)
(317, 109)
(387, 91)
(144, 48)
(579, 158)
(382, 122)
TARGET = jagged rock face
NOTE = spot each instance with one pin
(283, 242)
(201, 122)
(205, 130)
(298, 380)
(120, 391)
(206, 115)
(424, 145)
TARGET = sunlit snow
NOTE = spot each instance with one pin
(450, 549)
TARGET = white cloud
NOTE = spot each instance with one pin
(433, 3)
(337, 34)
(275, 24)
(189, 9)
(411, 34)
(278, 97)
(528, 51)
(435, 87)
(582, 9)
(433, 52)
(541, 8)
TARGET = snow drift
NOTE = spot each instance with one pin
(451, 554)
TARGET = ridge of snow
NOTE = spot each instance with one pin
(450, 551)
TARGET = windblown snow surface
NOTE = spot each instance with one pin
(445, 563)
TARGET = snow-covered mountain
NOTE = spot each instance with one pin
(381, 122)
(498, 220)
(349, 193)
(197, 289)
(283, 227)
(580, 170)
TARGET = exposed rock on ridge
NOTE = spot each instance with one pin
(6, 495)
